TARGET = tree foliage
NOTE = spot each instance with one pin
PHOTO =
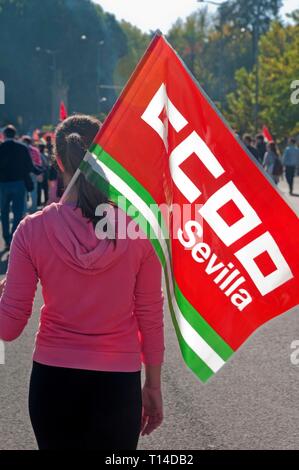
(137, 43)
(190, 39)
(279, 67)
(41, 41)
(246, 13)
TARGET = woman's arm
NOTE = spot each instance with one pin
(153, 376)
(149, 313)
(20, 286)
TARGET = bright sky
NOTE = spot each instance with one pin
(161, 14)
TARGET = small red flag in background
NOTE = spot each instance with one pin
(266, 133)
(63, 111)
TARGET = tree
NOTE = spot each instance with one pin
(278, 68)
(244, 13)
(228, 50)
(190, 40)
(240, 104)
(137, 43)
(43, 54)
(213, 49)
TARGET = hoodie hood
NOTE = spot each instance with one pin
(72, 238)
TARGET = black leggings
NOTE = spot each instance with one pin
(85, 409)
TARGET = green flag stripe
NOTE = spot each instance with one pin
(190, 313)
(131, 181)
(195, 363)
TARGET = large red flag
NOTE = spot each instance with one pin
(230, 264)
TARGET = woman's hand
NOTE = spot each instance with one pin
(2, 285)
(152, 409)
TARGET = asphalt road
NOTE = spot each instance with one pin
(250, 404)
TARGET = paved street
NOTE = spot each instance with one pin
(251, 403)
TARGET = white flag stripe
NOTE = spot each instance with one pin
(192, 338)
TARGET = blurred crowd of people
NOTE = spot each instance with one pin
(275, 163)
(29, 178)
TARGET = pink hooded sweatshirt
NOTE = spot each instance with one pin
(103, 305)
